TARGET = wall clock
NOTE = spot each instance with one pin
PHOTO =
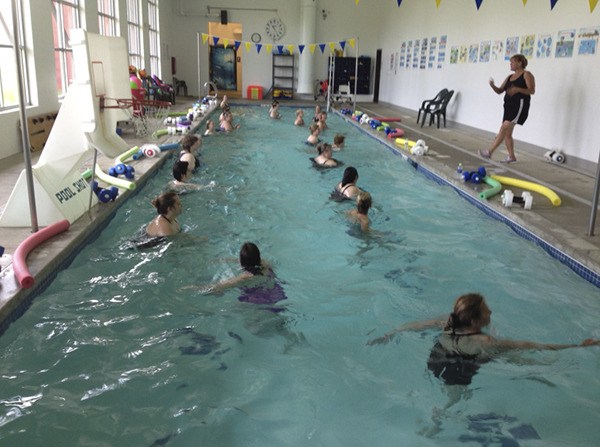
(275, 28)
(256, 38)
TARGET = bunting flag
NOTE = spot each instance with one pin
(225, 42)
(437, 3)
(248, 45)
(301, 48)
(322, 47)
(524, 2)
(399, 1)
(258, 47)
(312, 47)
(343, 45)
(204, 38)
(593, 4)
(357, 1)
(215, 40)
(236, 44)
(332, 46)
(269, 47)
(290, 49)
(351, 42)
(280, 49)
(553, 4)
(478, 3)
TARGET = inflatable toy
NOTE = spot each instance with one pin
(543, 190)
(19, 265)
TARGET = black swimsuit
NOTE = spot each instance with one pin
(454, 368)
(516, 107)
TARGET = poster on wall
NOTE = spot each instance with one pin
(473, 53)
(223, 68)
(442, 51)
(527, 44)
(543, 48)
(402, 54)
(423, 63)
(497, 50)
(415, 56)
(454, 55)
(512, 47)
(484, 51)
(463, 55)
(432, 49)
(565, 42)
(588, 41)
(409, 53)
(392, 64)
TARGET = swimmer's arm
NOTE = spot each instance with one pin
(511, 345)
(437, 322)
(222, 285)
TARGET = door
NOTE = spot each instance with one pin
(377, 76)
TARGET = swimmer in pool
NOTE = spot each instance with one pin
(190, 145)
(181, 175)
(347, 187)
(317, 113)
(322, 121)
(313, 138)
(299, 118)
(360, 215)
(224, 104)
(463, 347)
(324, 159)
(227, 122)
(338, 142)
(274, 110)
(168, 206)
(210, 128)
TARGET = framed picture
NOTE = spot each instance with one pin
(223, 67)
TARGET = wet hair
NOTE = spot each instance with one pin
(350, 176)
(322, 147)
(188, 141)
(250, 258)
(520, 58)
(363, 202)
(339, 139)
(313, 127)
(180, 169)
(275, 103)
(468, 311)
(299, 111)
(208, 123)
(165, 201)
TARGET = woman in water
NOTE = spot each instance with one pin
(360, 215)
(190, 144)
(324, 159)
(347, 188)
(463, 347)
(168, 206)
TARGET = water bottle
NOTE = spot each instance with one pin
(459, 169)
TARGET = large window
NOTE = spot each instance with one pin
(65, 17)
(134, 33)
(154, 38)
(9, 85)
(107, 17)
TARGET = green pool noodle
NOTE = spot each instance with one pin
(495, 188)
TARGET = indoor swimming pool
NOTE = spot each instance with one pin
(118, 351)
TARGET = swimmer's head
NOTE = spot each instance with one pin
(190, 142)
(363, 202)
(350, 175)
(338, 140)
(250, 258)
(299, 112)
(166, 201)
(180, 170)
(470, 311)
(210, 124)
(314, 128)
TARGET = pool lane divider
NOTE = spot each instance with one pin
(20, 268)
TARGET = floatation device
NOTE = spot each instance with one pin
(405, 143)
(389, 119)
(509, 199)
(122, 169)
(554, 155)
(19, 265)
(395, 133)
(495, 188)
(105, 195)
(168, 147)
(419, 148)
(543, 190)
(127, 154)
(121, 183)
(364, 119)
(150, 150)
(346, 111)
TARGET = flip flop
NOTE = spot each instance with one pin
(485, 154)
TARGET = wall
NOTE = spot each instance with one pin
(563, 108)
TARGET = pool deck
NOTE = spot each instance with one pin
(564, 228)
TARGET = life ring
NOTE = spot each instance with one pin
(543, 190)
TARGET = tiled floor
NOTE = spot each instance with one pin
(563, 230)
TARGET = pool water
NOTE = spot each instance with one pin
(117, 352)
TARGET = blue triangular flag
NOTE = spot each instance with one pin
(553, 3)
(301, 48)
(343, 43)
(322, 47)
(478, 3)
(399, 1)
(236, 44)
(258, 47)
(280, 49)
(215, 40)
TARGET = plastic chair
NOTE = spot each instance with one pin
(344, 94)
(180, 85)
(428, 102)
(438, 109)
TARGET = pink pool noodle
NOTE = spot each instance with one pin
(19, 265)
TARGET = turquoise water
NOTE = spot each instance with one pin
(116, 352)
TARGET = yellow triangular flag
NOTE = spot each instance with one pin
(332, 46)
(357, 1)
(225, 42)
(437, 3)
(524, 2)
(351, 42)
(269, 47)
(312, 47)
(593, 4)
(291, 48)
(204, 38)
(248, 45)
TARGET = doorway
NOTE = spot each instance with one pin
(225, 63)
(377, 76)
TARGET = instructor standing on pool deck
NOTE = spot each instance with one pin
(518, 88)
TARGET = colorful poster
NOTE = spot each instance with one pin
(484, 51)
(588, 41)
(497, 50)
(423, 60)
(396, 64)
(403, 55)
(463, 55)
(473, 53)
(565, 42)
(409, 53)
(527, 44)
(432, 50)
(391, 68)
(415, 58)
(544, 46)
(512, 47)
(442, 51)
(454, 55)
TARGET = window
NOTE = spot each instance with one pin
(107, 17)
(65, 17)
(9, 85)
(154, 38)
(134, 33)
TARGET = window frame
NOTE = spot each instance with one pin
(154, 37)
(108, 18)
(62, 50)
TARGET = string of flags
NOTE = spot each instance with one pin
(478, 3)
(280, 49)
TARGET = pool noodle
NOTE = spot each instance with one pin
(495, 188)
(168, 147)
(543, 190)
(388, 119)
(120, 183)
(19, 265)
(401, 141)
(160, 133)
(125, 155)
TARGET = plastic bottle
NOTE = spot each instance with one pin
(459, 169)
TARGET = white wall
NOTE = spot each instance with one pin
(563, 109)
